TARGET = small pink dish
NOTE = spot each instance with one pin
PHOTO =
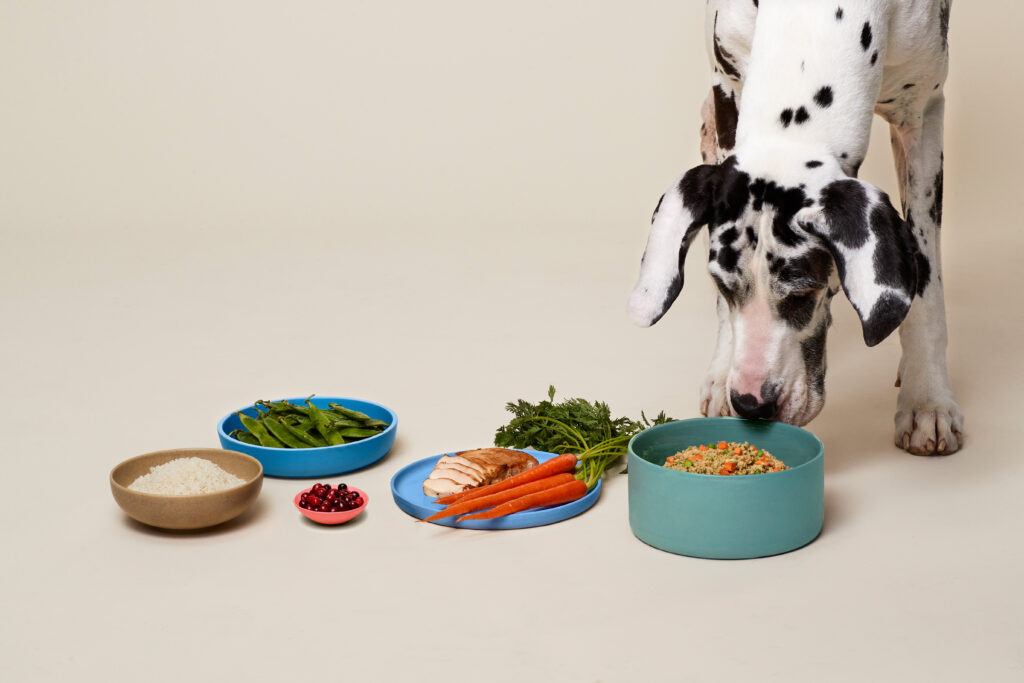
(331, 517)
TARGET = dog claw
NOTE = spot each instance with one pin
(704, 407)
(942, 445)
(906, 442)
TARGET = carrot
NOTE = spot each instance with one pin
(722, 445)
(565, 493)
(461, 507)
(698, 456)
(737, 451)
(702, 447)
(557, 465)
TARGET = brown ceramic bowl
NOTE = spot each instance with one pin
(187, 512)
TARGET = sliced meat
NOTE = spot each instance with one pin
(480, 467)
(442, 487)
(458, 476)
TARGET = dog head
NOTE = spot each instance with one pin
(780, 248)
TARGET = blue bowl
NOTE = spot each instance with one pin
(327, 461)
(726, 517)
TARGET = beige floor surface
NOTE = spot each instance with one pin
(441, 206)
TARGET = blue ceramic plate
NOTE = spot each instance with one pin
(328, 461)
(407, 488)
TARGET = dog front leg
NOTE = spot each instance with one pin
(928, 419)
(713, 395)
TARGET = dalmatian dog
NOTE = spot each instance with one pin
(785, 129)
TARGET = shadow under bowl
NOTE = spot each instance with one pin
(187, 512)
(726, 517)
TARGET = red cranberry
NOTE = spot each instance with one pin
(335, 508)
(343, 487)
(323, 508)
(304, 505)
(332, 494)
(314, 501)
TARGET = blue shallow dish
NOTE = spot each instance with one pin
(726, 517)
(407, 489)
(304, 463)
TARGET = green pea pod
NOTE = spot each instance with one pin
(245, 437)
(311, 438)
(285, 433)
(357, 432)
(339, 421)
(325, 426)
(371, 424)
(260, 431)
(351, 414)
(282, 407)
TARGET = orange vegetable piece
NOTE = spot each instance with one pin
(723, 445)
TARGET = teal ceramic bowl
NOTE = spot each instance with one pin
(726, 517)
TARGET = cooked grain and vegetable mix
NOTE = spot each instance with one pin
(725, 458)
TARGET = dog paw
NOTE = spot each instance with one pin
(930, 427)
(714, 400)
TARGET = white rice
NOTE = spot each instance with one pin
(185, 477)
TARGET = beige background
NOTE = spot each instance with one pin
(442, 206)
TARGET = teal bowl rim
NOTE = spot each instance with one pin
(315, 449)
(773, 425)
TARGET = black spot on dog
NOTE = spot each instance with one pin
(653, 215)
(885, 316)
(808, 271)
(801, 115)
(865, 36)
(936, 86)
(924, 272)
(839, 13)
(823, 98)
(935, 212)
(722, 56)
(786, 116)
(712, 255)
(726, 117)
(786, 201)
(704, 156)
(844, 204)
(874, 57)
(697, 188)
(728, 236)
(944, 24)
(728, 258)
(751, 236)
(908, 86)
(732, 193)
(755, 3)
(894, 257)
(843, 155)
(813, 351)
(813, 163)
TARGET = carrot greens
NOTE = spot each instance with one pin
(573, 425)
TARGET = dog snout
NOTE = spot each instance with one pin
(752, 407)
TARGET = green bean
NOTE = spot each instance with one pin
(259, 431)
(282, 407)
(351, 414)
(325, 427)
(357, 432)
(284, 432)
(376, 424)
(245, 437)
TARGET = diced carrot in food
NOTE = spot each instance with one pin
(723, 445)
(702, 447)
(738, 450)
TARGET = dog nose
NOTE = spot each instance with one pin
(750, 407)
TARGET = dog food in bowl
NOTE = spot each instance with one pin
(725, 458)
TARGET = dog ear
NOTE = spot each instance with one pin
(875, 253)
(682, 211)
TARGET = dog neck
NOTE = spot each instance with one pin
(839, 64)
